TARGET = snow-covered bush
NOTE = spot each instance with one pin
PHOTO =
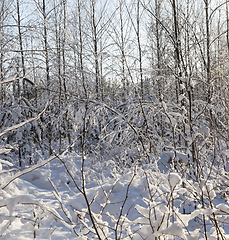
(24, 140)
(149, 197)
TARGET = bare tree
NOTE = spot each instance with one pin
(158, 47)
(79, 3)
(46, 45)
(94, 26)
(21, 47)
(208, 62)
(122, 48)
(5, 11)
(2, 13)
(140, 49)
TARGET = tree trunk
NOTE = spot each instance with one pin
(25, 92)
(46, 47)
(81, 48)
(208, 66)
(124, 81)
(140, 50)
(177, 51)
(227, 36)
(95, 41)
(63, 49)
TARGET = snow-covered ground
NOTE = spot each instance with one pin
(142, 202)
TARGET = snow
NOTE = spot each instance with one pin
(4, 150)
(43, 200)
(175, 229)
(174, 180)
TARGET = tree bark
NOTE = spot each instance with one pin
(95, 41)
(140, 50)
(21, 49)
(46, 46)
(81, 48)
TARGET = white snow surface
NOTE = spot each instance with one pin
(125, 203)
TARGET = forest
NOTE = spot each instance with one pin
(114, 119)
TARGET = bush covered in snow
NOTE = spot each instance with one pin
(118, 178)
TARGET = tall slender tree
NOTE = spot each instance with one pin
(46, 52)
(140, 49)
(21, 47)
(80, 30)
(208, 62)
